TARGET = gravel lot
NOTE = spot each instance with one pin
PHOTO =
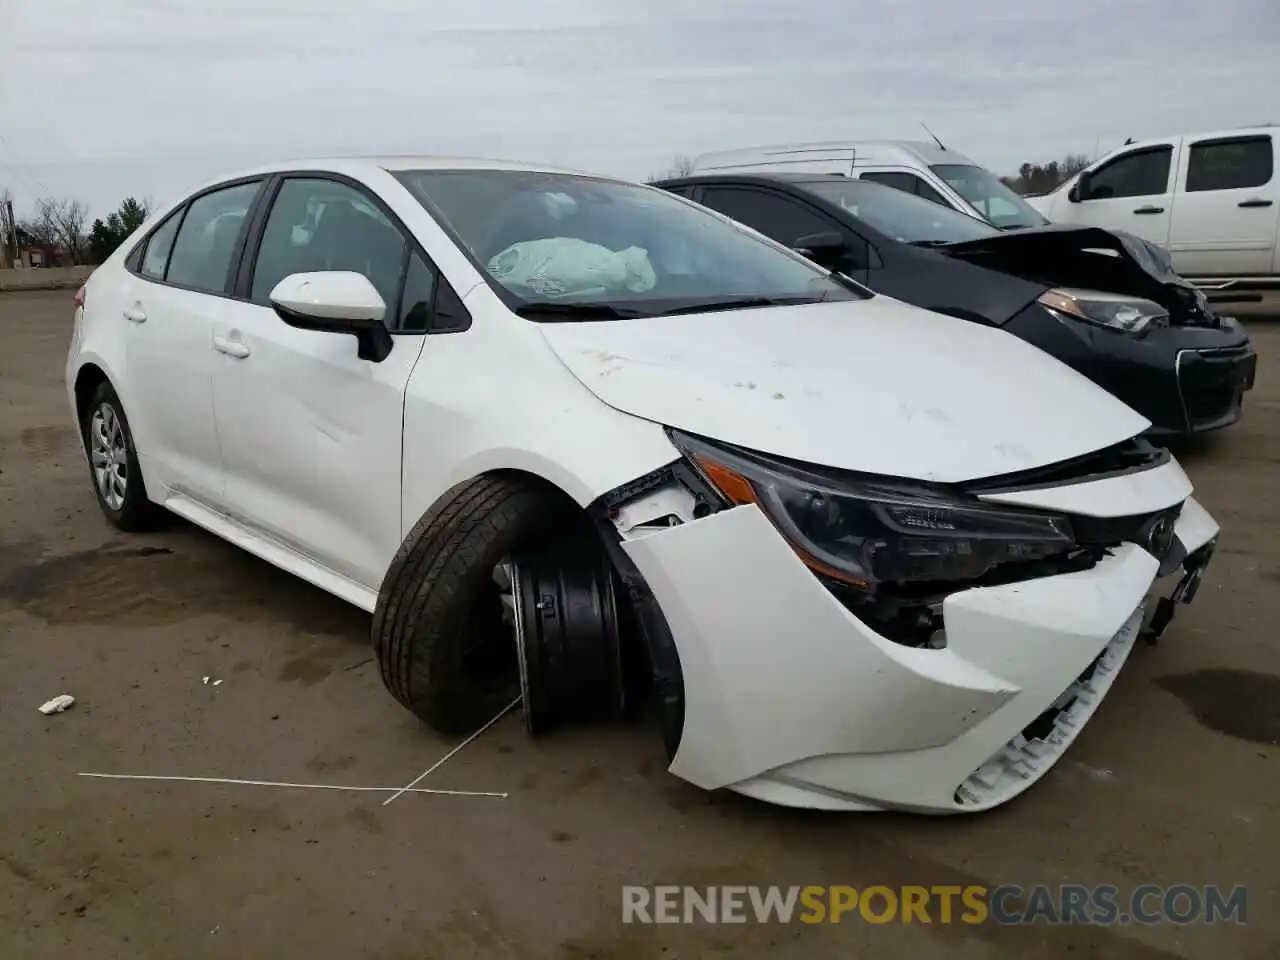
(1177, 779)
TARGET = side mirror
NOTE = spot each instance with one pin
(1080, 189)
(336, 301)
(827, 249)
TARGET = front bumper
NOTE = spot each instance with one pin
(791, 699)
(1212, 382)
(1183, 379)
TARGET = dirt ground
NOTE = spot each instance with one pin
(1176, 780)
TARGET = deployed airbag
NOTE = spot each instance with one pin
(565, 266)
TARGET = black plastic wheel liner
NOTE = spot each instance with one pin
(568, 633)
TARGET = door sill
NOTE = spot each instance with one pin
(271, 550)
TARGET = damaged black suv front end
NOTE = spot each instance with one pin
(1115, 310)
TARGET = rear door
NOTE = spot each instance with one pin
(1226, 212)
(179, 286)
(310, 433)
(1132, 191)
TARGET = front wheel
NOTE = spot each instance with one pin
(445, 649)
(113, 464)
(502, 591)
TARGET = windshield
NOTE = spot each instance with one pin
(561, 246)
(988, 195)
(900, 215)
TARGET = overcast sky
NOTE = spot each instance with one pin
(100, 99)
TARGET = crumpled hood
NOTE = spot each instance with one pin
(1066, 256)
(875, 386)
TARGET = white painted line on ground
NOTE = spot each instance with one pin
(441, 762)
(299, 786)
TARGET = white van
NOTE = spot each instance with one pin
(929, 170)
(1212, 199)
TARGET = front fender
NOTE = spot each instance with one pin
(497, 398)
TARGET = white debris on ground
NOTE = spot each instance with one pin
(58, 704)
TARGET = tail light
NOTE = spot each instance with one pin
(80, 295)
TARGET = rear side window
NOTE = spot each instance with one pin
(1230, 164)
(908, 183)
(206, 242)
(1143, 173)
(156, 257)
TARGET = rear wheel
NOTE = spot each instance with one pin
(113, 464)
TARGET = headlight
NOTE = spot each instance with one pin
(1114, 310)
(870, 531)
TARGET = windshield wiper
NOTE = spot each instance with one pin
(549, 311)
(741, 303)
(929, 243)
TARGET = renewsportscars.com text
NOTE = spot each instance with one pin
(1007, 904)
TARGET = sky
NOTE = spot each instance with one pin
(103, 99)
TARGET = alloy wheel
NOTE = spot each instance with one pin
(109, 456)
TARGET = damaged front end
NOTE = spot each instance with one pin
(1128, 321)
(1094, 260)
(824, 639)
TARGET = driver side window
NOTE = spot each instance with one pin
(318, 224)
(784, 220)
(1143, 173)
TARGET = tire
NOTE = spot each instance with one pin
(436, 584)
(133, 512)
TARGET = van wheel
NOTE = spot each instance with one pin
(441, 631)
(113, 464)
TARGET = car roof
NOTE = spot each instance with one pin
(357, 166)
(853, 152)
(761, 176)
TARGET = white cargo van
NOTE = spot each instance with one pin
(929, 170)
(1212, 199)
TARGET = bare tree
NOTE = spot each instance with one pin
(39, 232)
(1035, 178)
(681, 166)
(64, 221)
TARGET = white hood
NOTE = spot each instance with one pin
(875, 386)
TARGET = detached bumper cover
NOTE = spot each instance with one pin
(790, 698)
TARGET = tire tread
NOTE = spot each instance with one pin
(449, 552)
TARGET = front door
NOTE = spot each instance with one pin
(1131, 192)
(310, 433)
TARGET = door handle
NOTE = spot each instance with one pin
(232, 348)
(135, 314)
(1255, 202)
(1149, 210)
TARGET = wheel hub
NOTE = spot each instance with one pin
(109, 456)
(561, 602)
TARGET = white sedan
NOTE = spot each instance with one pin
(584, 442)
